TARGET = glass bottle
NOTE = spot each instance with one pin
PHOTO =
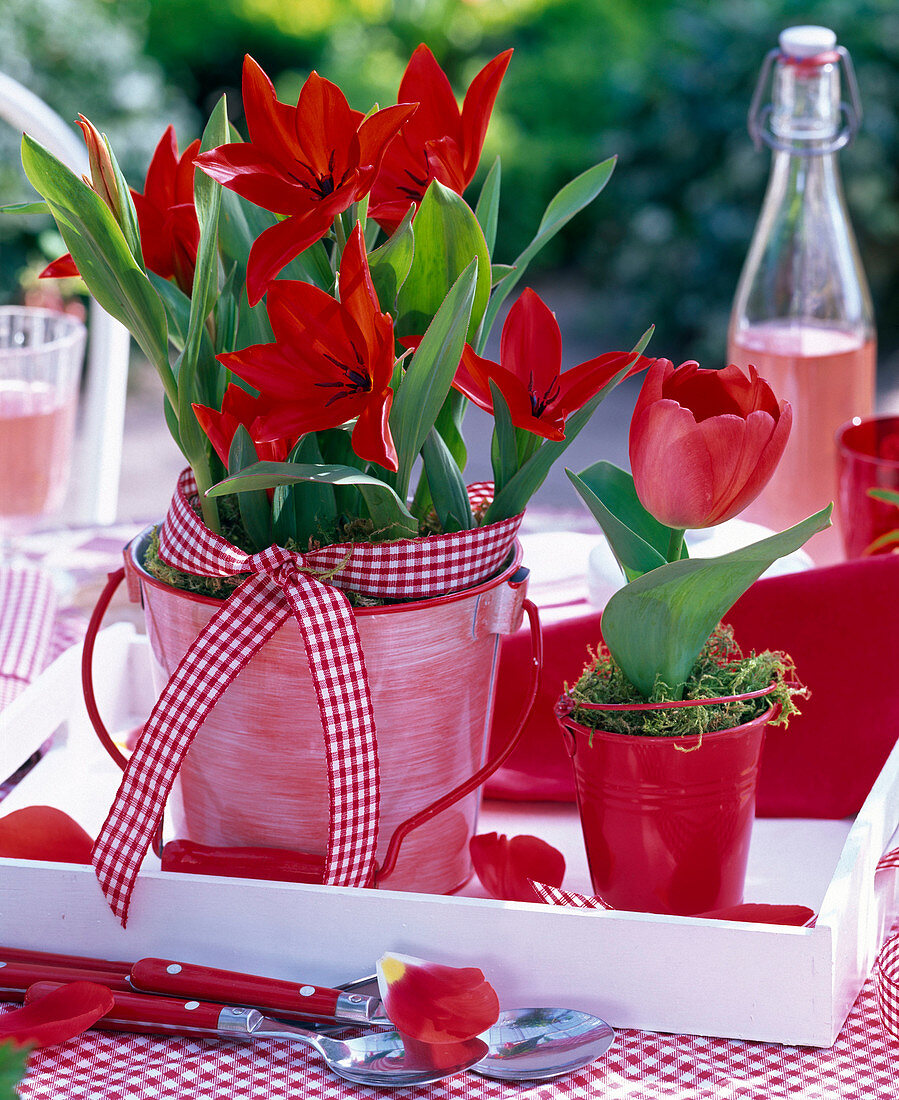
(802, 313)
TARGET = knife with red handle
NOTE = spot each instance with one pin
(287, 1000)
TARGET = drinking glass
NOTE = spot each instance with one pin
(868, 458)
(41, 353)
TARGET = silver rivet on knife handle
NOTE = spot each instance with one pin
(356, 1009)
(239, 1023)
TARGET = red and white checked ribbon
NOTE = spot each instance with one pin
(554, 895)
(281, 584)
(886, 968)
(27, 609)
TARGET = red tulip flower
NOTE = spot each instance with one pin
(311, 162)
(169, 230)
(529, 375)
(440, 141)
(331, 361)
(241, 408)
(166, 215)
(704, 443)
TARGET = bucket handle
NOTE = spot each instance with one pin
(113, 580)
(484, 773)
(402, 831)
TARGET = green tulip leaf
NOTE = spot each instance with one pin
(426, 383)
(255, 508)
(891, 538)
(498, 272)
(446, 484)
(503, 451)
(638, 541)
(312, 266)
(177, 308)
(656, 625)
(102, 256)
(447, 236)
(127, 213)
(226, 317)
(336, 448)
(205, 290)
(388, 513)
(303, 511)
(571, 199)
(487, 208)
(889, 496)
(390, 264)
(25, 208)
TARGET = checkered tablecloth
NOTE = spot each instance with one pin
(862, 1065)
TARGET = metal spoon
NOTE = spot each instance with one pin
(532, 1044)
(375, 1058)
(528, 1044)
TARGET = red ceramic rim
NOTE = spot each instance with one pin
(504, 574)
(684, 739)
(858, 422)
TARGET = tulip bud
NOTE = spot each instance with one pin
(102, 177)
(704, 443)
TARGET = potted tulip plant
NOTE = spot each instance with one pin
(666, 724)
(318, 285)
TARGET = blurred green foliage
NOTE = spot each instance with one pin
(81, 57)
(665, 84)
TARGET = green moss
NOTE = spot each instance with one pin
(720, 670)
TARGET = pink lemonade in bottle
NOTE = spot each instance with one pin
(37, 426)
(828, 377)
(802, 313)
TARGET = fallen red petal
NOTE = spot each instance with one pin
(796, 916)
(506, 866)
(434, 1003)
(43, 832)
(57, 1017)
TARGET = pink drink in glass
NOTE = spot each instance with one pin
(37, 424)
(828, 377)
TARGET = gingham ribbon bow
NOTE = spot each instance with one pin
(281, 584)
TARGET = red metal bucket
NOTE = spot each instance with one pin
(667, 820)
(255, 775)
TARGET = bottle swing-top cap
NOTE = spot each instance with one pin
(805, 53)
(807, 41)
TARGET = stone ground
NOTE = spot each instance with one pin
(151, 461)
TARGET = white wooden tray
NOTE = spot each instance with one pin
(688, 975)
